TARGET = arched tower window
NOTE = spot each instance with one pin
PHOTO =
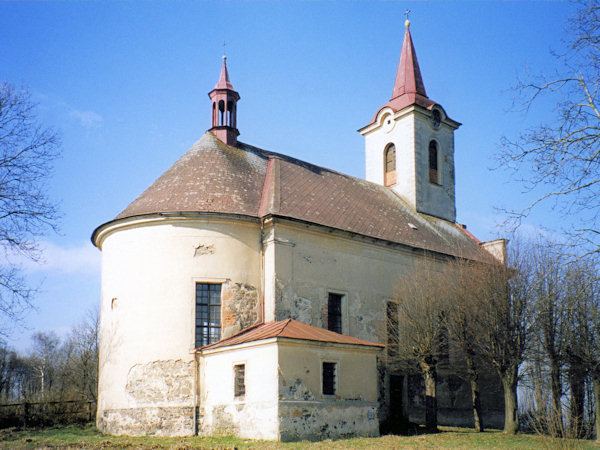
(389, 165)
(434, 176)
(221, 113)
(229, 114)
(214, 114)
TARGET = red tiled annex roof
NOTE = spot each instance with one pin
(213, 177)
(291, 329)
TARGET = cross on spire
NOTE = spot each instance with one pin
(407, 22)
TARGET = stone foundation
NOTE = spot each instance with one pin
(323, 420)
(160, 421)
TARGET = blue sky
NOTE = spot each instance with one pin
(126, 83)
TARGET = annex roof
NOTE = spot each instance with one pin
(213, 177)
(291, 329)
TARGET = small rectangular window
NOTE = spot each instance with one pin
(329, 378)
(239, 380)
(334, 312)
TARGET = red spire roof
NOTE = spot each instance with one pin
(409, 88)
(224, 82)
(408, 77)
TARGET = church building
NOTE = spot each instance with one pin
(245, 292)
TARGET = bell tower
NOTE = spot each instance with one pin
(409, 144)
(224, 108)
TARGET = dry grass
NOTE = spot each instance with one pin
(90, 438)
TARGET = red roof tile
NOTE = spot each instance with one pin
(291, 329)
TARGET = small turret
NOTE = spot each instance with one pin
(224, 108)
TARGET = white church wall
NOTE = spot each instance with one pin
(305, 413)
(433, 199)
(253, 416)
(147, 331)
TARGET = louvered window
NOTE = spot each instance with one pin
(334, 312)
(433, 163)
(389, 169)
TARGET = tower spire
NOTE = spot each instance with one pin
(408, 76)
(224, 108)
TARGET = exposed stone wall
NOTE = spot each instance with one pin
(161, 382)
(160, 421)
(241, 307)
(299, 420)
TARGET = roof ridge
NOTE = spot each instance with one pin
(286, 323)
(263, 206)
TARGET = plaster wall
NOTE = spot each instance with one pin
(305, 413)
(313, 263)
(254, 416)
(148, 313)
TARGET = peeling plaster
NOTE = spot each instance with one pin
(241, 307)
(161, 382)
(203, 249)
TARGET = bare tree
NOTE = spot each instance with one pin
(561, 159)
(583, 345)
(549, 297)
(26, 153)
(81, 349)
(504, 324)
(463, 280)
(422, 300)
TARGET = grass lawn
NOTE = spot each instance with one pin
(87, 436)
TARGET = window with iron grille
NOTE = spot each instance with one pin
(334, 312)
(208, 313)
(329, 378)
(239, 380)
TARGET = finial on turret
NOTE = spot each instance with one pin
(407, 23)
(224, 52)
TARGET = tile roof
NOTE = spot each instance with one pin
(213, 177)
(291, 329)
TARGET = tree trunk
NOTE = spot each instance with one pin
(577, 384)
(596, 384)
(430, 378)
(509, 384)
(475, 398)
(556, 422)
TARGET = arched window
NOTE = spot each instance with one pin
(434, 176)
(389, 165)
(221, 113)
(214, 114)
(229, 114)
